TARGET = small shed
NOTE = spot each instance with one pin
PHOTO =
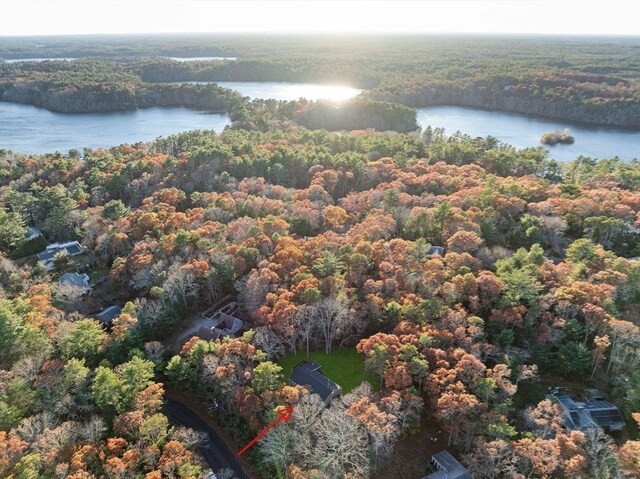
(436, 251)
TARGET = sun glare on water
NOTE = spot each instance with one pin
(293, 91)
(311, 91)
(336, 93)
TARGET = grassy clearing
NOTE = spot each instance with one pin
(343, 366)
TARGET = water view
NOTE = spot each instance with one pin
(28, 129)
(289, 90)
(16, 60)
(200, 59)
(524, 131)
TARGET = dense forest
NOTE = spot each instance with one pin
(325, 240)
(99, 85)
(577, 79)
(446, 282)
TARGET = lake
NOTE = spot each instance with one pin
(523, 131)
(288, 90)
(178, 59)
(16, 60)
(29, 129)
(201, 59)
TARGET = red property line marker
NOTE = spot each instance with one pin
(284, 414)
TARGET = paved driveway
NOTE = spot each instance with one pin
(214, 451)
(195, 323)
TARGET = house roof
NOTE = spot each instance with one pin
(307, 373)
(436, 250)
(449, 467)
(209, 334)
(75, 279)
(109, 314)
(72, 248)
(47, 255)
(223, 320)
(590, 413)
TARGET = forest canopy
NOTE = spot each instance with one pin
(578, 79)
(325, 240)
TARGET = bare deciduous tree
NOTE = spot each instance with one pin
(28, 368)
(226, 474)
(253, 291)
(491, 459)
(210, 365)
(92, 430)
(322, 438)
(278, 447)
(330, 317)
(31, 428)
(68, 294)
(56, 438)
(180, 284)
(154, 350)
(625, 346)
(188, 437)
(599, 450)
(362, 391)
(553, 229)
(304, 326)
(268, 341)
(149, 312)
(342, 445)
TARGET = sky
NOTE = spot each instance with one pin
(61, 17)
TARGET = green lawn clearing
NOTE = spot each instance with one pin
(343, 366)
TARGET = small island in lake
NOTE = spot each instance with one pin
(554, 137)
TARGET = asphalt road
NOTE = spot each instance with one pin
(214, 451)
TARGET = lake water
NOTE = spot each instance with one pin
(16, 60)
(523, 131)
(289, 90)
(28, 129)
(200, 59)
(178, 59)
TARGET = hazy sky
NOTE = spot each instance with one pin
(44, 17)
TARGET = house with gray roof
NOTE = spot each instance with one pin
(594, 412)
(71, 248)
(229, 324)
(307, 373)
(75, 279)
(210, 334)
(436, 251)
(444, 466)
(222, 325)
(107, 315)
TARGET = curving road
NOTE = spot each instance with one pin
(214, 451)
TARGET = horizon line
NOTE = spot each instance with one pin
(329, 33)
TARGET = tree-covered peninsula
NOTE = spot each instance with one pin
(574, 79)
